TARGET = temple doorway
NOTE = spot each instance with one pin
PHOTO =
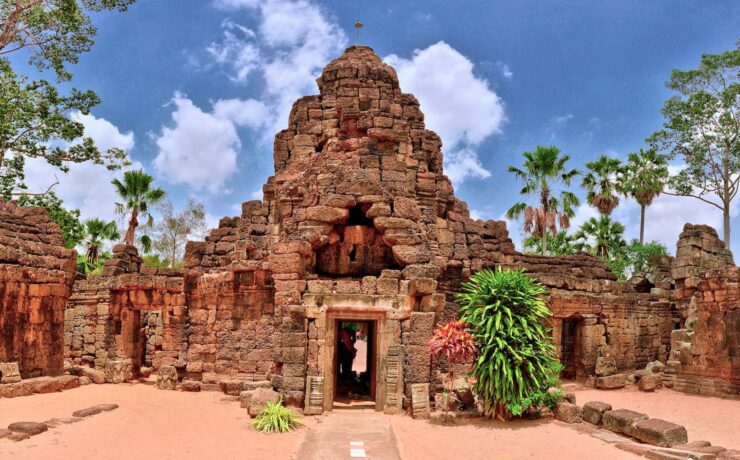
(568, 346)
(354, 361)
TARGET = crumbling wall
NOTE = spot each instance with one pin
(360, 221)
(36, 276)
(705, 351)
(129, 312)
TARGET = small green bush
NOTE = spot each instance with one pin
(276, 418)
(506, 314)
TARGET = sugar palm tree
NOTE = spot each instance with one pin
(602, 184)
(562, 244)
(544, 169)
(96, 232)
(644, 178)
(137, 194)
(606, 234)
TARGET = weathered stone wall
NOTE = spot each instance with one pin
(359, 222)
(36, 276)
(131, 313)
(705, 351)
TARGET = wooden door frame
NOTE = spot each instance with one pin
(380, 346)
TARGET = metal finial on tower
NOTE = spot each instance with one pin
(358, 26)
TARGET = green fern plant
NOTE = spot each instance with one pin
(276, 418)
(506, 314)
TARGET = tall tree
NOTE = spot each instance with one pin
(138, 194)
(98, 232)
(173, 229)
(702, 127)
(643, 179)
(562, 244)
(604, 236)
(544, 169)
(602, 184)
(35, 116)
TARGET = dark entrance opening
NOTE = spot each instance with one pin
(568, 343)
(354, 361)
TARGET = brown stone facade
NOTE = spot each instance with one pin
(36, 276)
(359, 224)
(705, 350)
(129, 313)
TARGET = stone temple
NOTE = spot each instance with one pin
(359, 234)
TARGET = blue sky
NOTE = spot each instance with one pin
(195, 90)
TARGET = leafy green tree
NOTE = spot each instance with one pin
(702, 127)
(154, 260)
(562, 244)
(544, 169)
(138, 194)
(633, 258)
(68, 220)
(506, 314)
(603, 236)
(98, 232)
(86, 268)
(35, 117)
(602, 184)
(173, 230)
(643, 179)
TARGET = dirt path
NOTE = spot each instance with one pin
(350, 434)
(494, 440)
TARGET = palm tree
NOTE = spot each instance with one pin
(602, 184)
(562, 244)
(644, 178)
(543, 169)
(96, 232)
(607, 235)
(137, 195)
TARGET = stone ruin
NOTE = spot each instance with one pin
(36, 276)
(705, 349)
(360, 224)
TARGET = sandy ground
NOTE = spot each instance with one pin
(706, 418)
(154, 424)
(150, 424)
(494, 440)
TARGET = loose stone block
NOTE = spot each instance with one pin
(260, 398)
(117, 371)
(29, 428)
(82, 413)
(167, 378)
(622, 420)
(648, 382)
(9, 373)
(611, 382)
(593, 411)
(568, 413)
(659, 432)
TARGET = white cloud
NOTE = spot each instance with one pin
(464, 163)
(86, 186)
(200, 150)
(236, 4)
(458, 105)
(505, 70)
(235, 51)
(105, 134)
(249, 113)
(295, 39)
